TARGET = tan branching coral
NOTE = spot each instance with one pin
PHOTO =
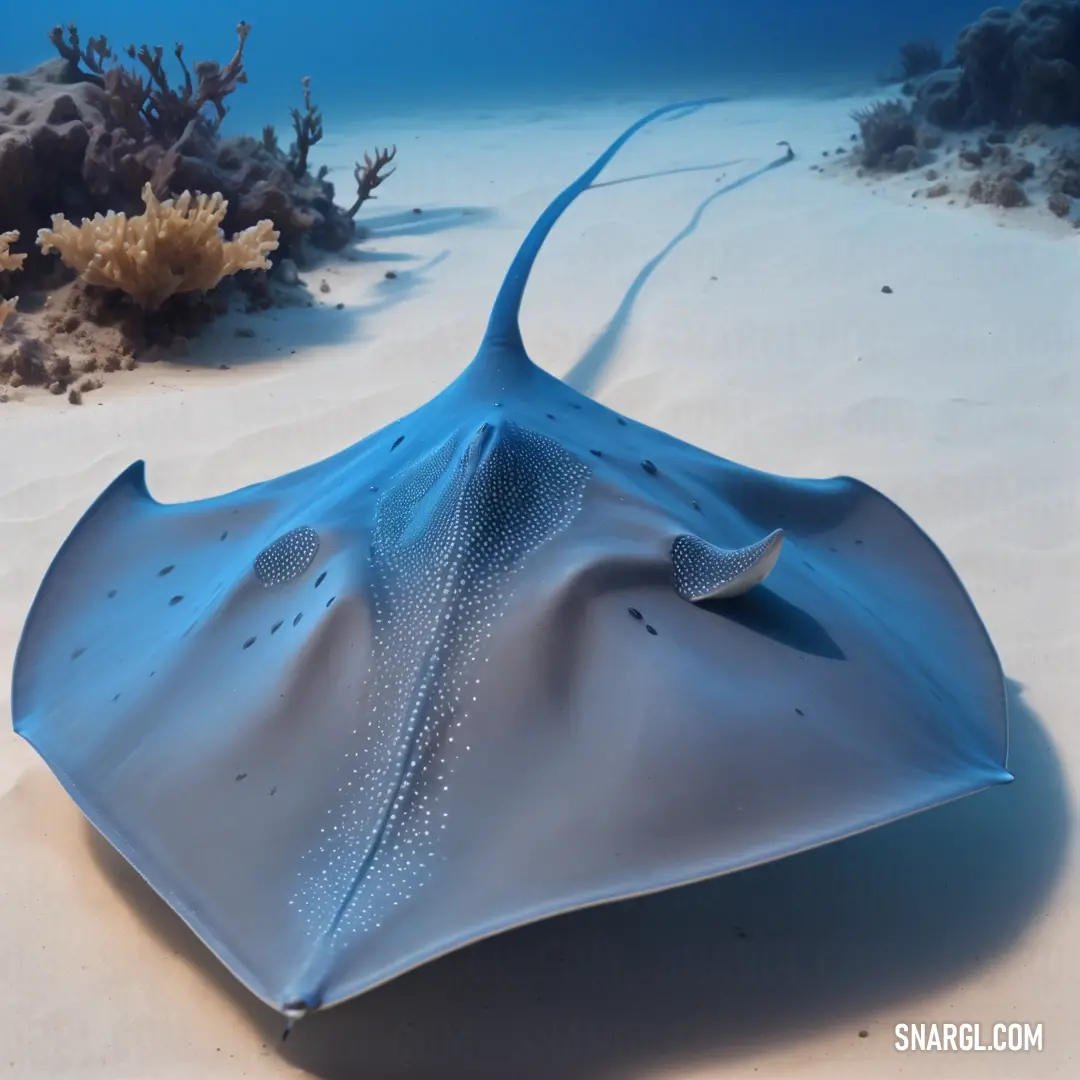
(175, 246)
(8, 261)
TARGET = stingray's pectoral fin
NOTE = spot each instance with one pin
(704, 571)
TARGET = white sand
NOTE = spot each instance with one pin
(764, 337)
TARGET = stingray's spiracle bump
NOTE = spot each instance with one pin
(287, 557)
(704, 571)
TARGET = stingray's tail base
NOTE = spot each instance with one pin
(503, 327)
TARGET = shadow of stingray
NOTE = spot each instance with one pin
(765, 613)
(666, 172)
(409, 223)
(704, 972)
(587, 370)
(361, 255)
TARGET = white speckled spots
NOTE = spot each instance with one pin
(704, 571)
(287, 557)
(450, 534)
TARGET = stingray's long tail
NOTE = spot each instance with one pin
(502, 327)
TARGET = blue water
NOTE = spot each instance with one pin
(374, 57)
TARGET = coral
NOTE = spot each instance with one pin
(1002, 190)
(152, 103)
(919, 57)
(308, 128)
(885, 127)
(83, 133)
(1064, 172)
(1013, 68)
(1059, 204)
(114, 140)
(8, 263)
(370, 175)
(174, 247)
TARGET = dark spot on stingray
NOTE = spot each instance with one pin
(695, 504)
(575, 404)
(276, 627)
(116, 697)
(224, 534)
(241, 776)
(330, 601)
(596, 453)
(649, 467)
(832, 549)
(800, 712)
(739, 932)
(298, 618)
(864, 1033)
(250, 641)
(397, 442)
(634, 611)
(152, 674)
(620, 420)
(651, 629)
(166, 570)
(174, 600)
(858, 541)
(78, 652)
(273, 789)
(111, 593)
(550, 416)
(320, 579)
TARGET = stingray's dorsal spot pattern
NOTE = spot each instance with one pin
(513, 655)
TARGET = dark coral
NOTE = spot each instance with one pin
(1013, 68)
(919, 57)
(307, 126)
(370, 175)
(887, 129)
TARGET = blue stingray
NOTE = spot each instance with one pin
(512, 655)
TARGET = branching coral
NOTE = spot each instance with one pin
(8, 262)
(308, 128)
(151, 105)
(885, 126)
(370, 175)
(174, 247)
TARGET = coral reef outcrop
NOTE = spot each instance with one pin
(128, 162)
(84, 133)
(1011, 68)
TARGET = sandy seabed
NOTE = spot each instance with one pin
(763, 335)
